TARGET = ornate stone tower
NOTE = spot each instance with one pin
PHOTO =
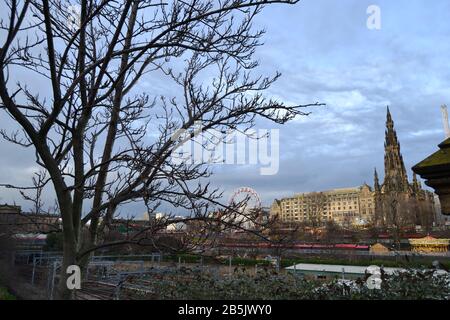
(395, 177)
(397, 202)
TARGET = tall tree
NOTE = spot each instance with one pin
(316, 203)
(105, 136)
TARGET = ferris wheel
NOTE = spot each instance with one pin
(248, 193)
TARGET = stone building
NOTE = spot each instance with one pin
(14, 221)
(395, 201)
(347, 206)
(441, 220)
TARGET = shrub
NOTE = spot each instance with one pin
(410, 284)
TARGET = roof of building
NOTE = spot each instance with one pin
(378, 247)
(9, 209)
(30, 236)
(429, 240)
(334, 268)
(337, 190)
(437, 160)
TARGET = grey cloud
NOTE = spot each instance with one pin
(326, 54)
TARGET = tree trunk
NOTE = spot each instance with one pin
(70, 245)
(69, 258)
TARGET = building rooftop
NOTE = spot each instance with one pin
(337, 190)
(439, 159)
(334, 268)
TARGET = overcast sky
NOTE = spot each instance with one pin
(326, 53)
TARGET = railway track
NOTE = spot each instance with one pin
(94, 290)
(98, 290)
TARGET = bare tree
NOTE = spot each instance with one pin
(425, 211)
(316, 203)
(399, 212)
(282, 235)
(333, 231)
(102, 138)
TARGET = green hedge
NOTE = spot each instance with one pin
(236, 261)
(412, 285)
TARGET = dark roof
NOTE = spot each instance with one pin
(438, 161)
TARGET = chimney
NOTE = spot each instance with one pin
(445, 121)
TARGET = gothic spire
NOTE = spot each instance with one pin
(388, 116)
(376, 182)
(395, 177)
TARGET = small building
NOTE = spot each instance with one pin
(30, 241)
(378, 248)
(9, 209)
(429, 244)
(177, 226)
(329, 271)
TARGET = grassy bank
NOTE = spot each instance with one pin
(285, 262)
(190, 258)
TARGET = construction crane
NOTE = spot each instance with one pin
(445, 121)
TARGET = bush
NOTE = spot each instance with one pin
(411, 284)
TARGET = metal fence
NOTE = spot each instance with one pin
(43, 269)
(121, 276)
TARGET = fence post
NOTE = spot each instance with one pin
(49, 277)
(118, 287)
(34, 269)
(86, 276)
(53, 280)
